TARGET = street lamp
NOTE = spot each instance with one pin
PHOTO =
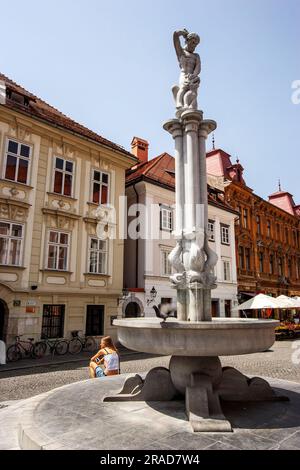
(153, 294)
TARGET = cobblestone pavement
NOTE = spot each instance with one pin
(15, 385)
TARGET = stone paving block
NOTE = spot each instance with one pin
(291, 442)
(247, 441)
(277, 435)
(136, 438)
(221, 446)
(54, 446)
(159, 446)
(284, 446)
(188, 441)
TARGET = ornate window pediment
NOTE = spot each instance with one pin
(60, 219)
(14, 210)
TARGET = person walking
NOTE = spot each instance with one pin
(106, 362)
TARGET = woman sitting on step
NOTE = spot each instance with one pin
(106, 361)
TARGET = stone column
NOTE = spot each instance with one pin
(196, 303)
(192, 225)
(206, 127)
(174, 127)
(218, 249)
(191, 121)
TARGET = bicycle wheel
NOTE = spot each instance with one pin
(13, 353)
(75, 346)
(39, 349)
(90, 344)
(61, 347)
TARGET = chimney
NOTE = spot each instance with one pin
(139, 148)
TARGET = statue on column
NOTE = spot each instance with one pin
(192, 259)
(185, 94)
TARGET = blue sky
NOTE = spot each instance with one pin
(111, 65)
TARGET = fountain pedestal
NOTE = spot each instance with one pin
(195, 340)
(195, 371)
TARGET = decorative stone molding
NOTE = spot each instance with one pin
(91, 226)
(58, 148)
(8, 277)
(59, 201)
(59, 280)
(14, 210)
(130, 299)
(64, 149)
(60, 219)
(23, 133)
(99, 220)
(105, 165)
(98, 161)
(96, 283)
(15, 191)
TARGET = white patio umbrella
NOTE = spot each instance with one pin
(258, 302)
(287, 302)
(296, 301)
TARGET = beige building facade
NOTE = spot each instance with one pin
(56, 274)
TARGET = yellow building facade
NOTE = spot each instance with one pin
(56, 275)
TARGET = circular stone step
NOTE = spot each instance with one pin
(75, 417)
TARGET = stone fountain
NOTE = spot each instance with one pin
(194, 340)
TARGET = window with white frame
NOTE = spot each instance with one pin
(17, 161)
(58, 250)
(11, 243)
(166, 268)
(226, 270)
(166, 218)
(97, 256)
(211, 230)
(225, 239)
(63, 177)
(100, 187)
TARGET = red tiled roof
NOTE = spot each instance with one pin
(155, 170)
(40, 109)
(161, 171)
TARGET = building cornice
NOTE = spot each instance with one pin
(43, 128)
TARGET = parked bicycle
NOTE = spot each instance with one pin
(78, 343)
(56, 346)
(23, 348)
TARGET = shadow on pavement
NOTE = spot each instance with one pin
(36, 367)
(248, 415)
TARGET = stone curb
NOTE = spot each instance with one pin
(56, 363)
(31, 438)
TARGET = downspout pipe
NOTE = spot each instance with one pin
(136, 244)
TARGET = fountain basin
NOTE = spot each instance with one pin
(219, 337)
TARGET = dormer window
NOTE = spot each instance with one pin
(17, 98)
